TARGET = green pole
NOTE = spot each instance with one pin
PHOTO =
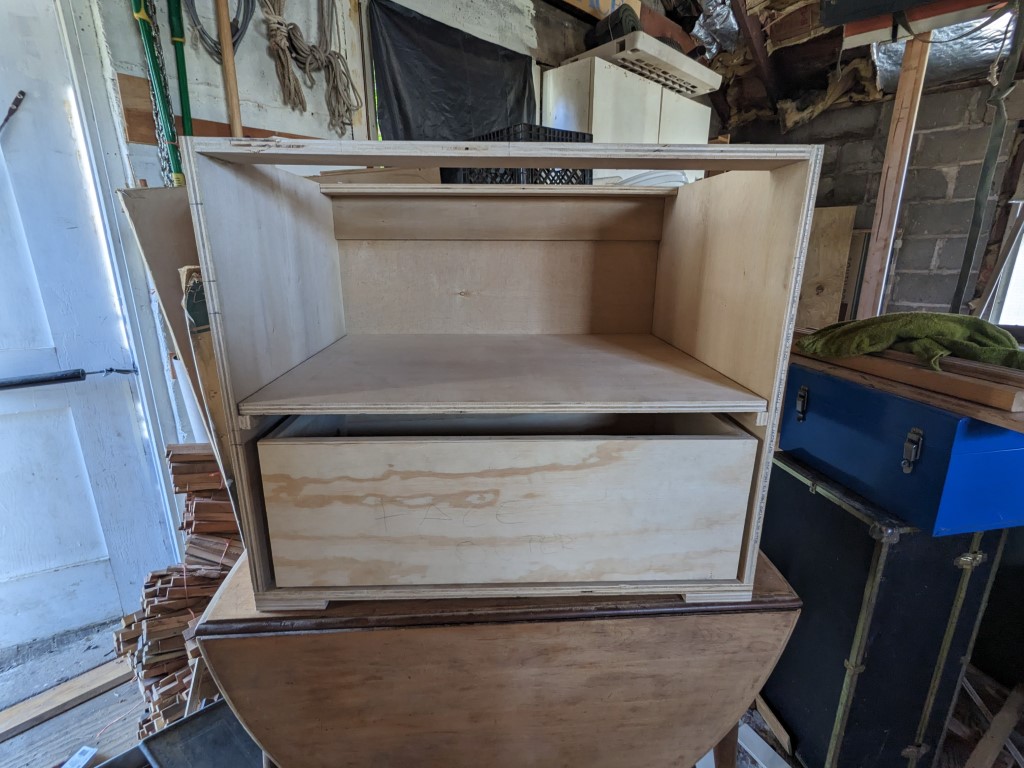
(177, 25)
(163, 106)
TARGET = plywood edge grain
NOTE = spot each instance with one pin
(345, 189)
(525, 154)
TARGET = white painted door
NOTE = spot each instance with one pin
(82, 514)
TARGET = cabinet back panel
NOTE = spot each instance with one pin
(489, 217)
(536, 286)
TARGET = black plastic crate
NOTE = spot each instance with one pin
(524, 132)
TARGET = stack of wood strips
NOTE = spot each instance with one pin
(157, 638)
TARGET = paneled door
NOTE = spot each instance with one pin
(83, 516)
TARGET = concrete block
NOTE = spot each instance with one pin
(946, 109)
(892, 308)
(851, 188)
(865, 216)
(928, 183)
(858, 121)
(949, 254)
(937, 218)
(829, 158)
(923, 288)
(860, 155)
(916, 254)
(967, 181)
(949, 147)
(826, 192)
(873, 181)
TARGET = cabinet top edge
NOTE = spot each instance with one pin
(482, 154)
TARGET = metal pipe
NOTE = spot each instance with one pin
(177, 25)
(163, 105)
(988, 167)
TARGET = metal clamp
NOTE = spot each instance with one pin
(912, 449)
(970, 560)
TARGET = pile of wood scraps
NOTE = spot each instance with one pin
(990, 393)
(157, 638)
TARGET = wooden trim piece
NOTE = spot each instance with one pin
(753, 33)
(343, 189)
(61, 698)
(417, 154)
(1001, 396)
(234, 610)
(1012, 421)
(894, 173)
(139, 128)
(1003, 724)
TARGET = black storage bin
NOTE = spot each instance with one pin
(524, 132)
(871, 673)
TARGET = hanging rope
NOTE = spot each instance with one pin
(288, 45)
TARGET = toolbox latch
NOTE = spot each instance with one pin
(912, 449)
(802, 396)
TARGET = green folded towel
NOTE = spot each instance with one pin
(928, 335)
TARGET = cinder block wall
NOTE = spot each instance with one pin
(949, 144)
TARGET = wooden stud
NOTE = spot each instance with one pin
(61, 698)
(227, 62)
(1006, 719)
(894, 174)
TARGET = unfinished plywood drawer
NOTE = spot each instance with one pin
(568, 503)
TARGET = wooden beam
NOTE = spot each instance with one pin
(61, 698)
(753, 33)
(894, 174)
(139, 128)
(1003, 724)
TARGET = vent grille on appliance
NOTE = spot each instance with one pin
(648, 57)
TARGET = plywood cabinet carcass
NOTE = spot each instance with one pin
(460, 390)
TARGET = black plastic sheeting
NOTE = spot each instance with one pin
(437, 83)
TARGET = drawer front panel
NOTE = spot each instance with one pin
(529, 510)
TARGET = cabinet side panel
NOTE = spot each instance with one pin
(273, 289)
(270, 263)
(730, 254)
(729, 268)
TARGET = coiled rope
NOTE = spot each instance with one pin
(288, 46)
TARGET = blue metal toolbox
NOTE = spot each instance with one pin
(941, 472)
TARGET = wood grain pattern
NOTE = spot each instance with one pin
(828, 253)
(894, 174)
(508, 513)
(137, 113)
(456, 373)
(498, 287)
(640, 689)
(1014, 421)
(61, 698)
(726, 292)
(1005, 397)
(496, 218)
(162, 223)
(233, 609)
(284, 279)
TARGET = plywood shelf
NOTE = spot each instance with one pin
(345, 189)
(501, 373)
